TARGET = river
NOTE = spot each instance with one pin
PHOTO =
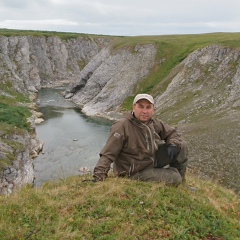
(72, 141)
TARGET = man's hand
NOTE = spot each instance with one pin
(172, 151)
(90, 180)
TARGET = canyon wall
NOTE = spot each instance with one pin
(200, 95)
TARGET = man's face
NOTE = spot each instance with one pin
(143, 110)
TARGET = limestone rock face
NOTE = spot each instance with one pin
(22, 145)
(211, 75)
(110, 77)
(30, 63)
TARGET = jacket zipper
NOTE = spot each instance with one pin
(151, 137)
(146, 137)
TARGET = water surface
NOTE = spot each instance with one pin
(71, 140)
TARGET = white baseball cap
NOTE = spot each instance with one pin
(143, 96)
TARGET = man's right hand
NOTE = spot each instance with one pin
(90, 180)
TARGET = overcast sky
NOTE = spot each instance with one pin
(122, 17)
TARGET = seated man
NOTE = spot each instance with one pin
(143, 148)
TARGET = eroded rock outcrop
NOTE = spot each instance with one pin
(112, 76)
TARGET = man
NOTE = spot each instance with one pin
(143, 148)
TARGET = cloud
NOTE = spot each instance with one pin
(37, 24)
(125, 17)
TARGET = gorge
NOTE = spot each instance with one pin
(195, 83)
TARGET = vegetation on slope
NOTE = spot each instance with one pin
(34, 33)
(14, 115)
(13, 107)
(13, 121)
(120, 209)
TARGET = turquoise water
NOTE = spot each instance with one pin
(71, 140)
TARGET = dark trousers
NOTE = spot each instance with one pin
(165, 170)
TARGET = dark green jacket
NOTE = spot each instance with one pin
(132, 145)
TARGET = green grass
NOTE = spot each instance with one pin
(120, 209)
(34, 33)
(15, 115)
(13, 107)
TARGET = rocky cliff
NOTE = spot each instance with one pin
(200, 95)
(27, 64)
(31, 62)
(110, 77)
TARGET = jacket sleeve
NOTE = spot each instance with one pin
(110, 151)
(167, 133)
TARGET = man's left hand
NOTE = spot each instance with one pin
(172, 151)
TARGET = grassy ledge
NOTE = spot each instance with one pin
(120, 209)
